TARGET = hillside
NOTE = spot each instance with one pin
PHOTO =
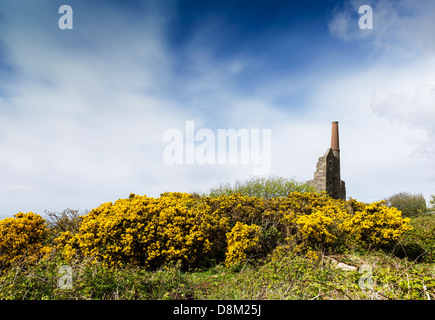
(221, 246)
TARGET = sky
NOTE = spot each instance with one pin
(84, 111)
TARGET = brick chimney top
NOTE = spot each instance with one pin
(334, 137)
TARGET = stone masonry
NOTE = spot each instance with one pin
(327, 176)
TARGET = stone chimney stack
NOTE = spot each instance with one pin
(335, 146)
(327, 176)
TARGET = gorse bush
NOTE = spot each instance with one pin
(376, 224)
(196, 231)
(22, 238)
(140, 248)
(229, 226)
(241, 239)
(149, 232)
(262, 238)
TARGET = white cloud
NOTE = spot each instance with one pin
(395, 93)
(412, 105)
(409, 106)
(339, 26)
(82, 120)
(386, 128)
(401, 28)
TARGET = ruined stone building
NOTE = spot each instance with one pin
(327, 176)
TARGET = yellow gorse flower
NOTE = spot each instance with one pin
(194, 231)
(241, 239)
(147, 231)
(377, 224)
(22, 238)
(154, 232)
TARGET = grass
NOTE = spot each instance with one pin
(298, 278)
(265, 188)
(404, 270)
(281, 277)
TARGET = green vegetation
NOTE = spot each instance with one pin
(431, 209)
(265, 188)
(418, 243)
(281, 276)
(411, 205)
(259, 239)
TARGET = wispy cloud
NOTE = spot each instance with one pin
(396, 85)
(401, 28)
(81, 119)
(83, 112)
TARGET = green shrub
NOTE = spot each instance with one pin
(67, 220)
(265, 188)
(432, 205)
(411, 205)
(419, 243)
(92, 280)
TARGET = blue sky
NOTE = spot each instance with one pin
(83, 111)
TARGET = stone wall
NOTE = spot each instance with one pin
(327, 176)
